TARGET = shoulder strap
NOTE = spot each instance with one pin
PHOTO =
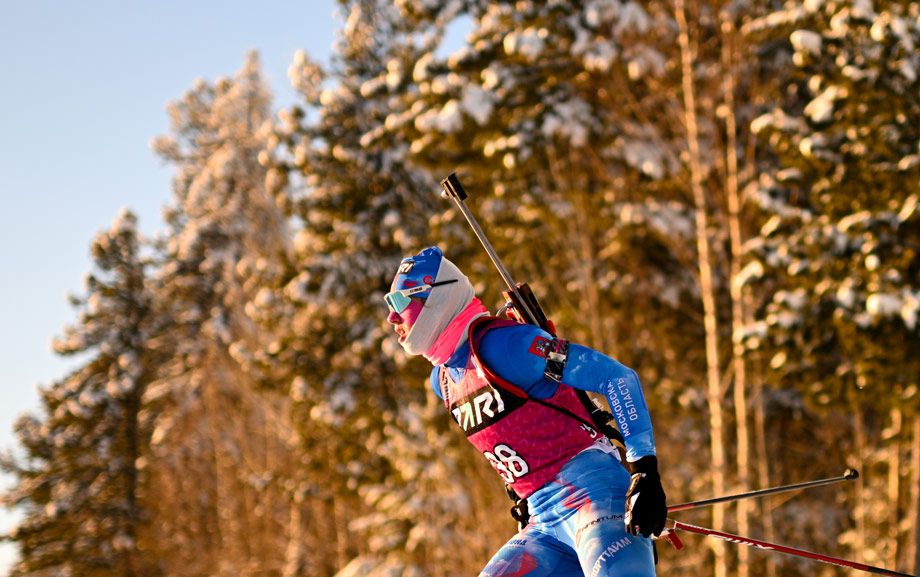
(484, 324)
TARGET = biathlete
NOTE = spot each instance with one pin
(511, 389)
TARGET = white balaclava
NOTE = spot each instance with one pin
(443, 302)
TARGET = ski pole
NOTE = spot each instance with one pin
(675, 525)
(848, 475)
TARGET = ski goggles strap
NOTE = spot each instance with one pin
(398, 300)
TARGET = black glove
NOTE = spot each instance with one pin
(646, 506)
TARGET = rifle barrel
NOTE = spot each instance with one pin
(455, 191)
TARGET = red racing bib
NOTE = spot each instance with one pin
(526, 442)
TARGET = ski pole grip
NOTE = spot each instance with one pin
(452, 187)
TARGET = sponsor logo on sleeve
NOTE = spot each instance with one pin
(540, 347)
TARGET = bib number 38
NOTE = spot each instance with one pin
(507, 462)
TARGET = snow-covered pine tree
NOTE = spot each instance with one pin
(77, 484)
(358, 208)
(839, 251)
(561, 118)
(221, 445)
(541, 111)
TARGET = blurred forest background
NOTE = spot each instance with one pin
(720, 194)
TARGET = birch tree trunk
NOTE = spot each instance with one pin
(588, 256)
(859, 433)
(894, 483)
(707, 288)
(739, 372)
(914, 559)
(295, 562)
(763, 465)
(580, 243)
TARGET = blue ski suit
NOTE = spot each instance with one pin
(576, 527)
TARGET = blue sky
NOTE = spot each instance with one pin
(84, 89)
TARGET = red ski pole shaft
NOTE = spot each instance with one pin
(674, 525)
(848, 475)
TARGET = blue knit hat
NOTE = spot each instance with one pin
(419, 269)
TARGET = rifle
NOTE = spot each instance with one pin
(521, 304)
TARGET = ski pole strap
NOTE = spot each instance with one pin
(739, 540)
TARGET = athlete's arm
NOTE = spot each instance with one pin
(590, 370)
(514, 353)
